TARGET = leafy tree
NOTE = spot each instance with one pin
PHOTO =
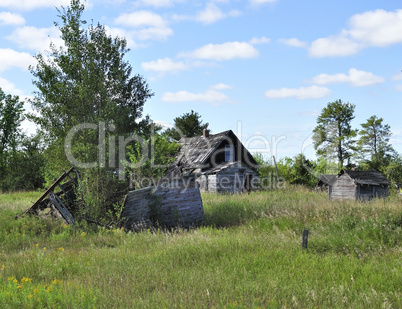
(149, 160)
(374, 142)
(333, 135)
(298, 170)
(11, 116)
(87, 81)
(187, 125)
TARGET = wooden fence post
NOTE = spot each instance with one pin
(305, 239)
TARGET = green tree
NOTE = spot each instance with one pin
(187, 125)
(374, 142)
(87, 81)
(333, 135)
(11, 116)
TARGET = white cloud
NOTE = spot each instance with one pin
(397, 77)
(10, 58)
(158, 3)
(9, 88)
(122, 33)
(398, 87)
(32, 4)
(221, 86)
(293, 42)
(334, 46)
(222, 52)
(209, 15)
(147, 25)
(141, 19)
(164, 65)
(354, 77)
(261, 40)
(7, 18)
(258, 2)
(302, 93)
(210, 96)
(377, 28)
(36, 38)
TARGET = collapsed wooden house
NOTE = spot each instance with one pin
(168, 205)
(358, 185)
(219, 162)
(324, 182)
(59, 200)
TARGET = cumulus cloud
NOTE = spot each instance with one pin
(7, 18)
(302, 93)
(32, 4)
(397, 77)
(209, 15)
(146, 25)
(377, 28)
(9, 88)
(210, 96)
(223, 52)
(221, 86)
(293, 42)
(158, 3)
(10, 58)
(36, 38)
(164, 65)
(259, 2)
(354, 77)
(141, 19)
(261, 40)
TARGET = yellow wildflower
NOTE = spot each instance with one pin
(24, 279)
(55, 281)
(20, 287)
(29, 296)
(35, 291)
(44, 248)
(15, 281)
(83, 234)
(61, 249)
(37, 245)
(2, 267)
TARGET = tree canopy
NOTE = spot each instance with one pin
(333, 135)
(187, 125)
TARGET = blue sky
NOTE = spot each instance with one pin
(263, 68)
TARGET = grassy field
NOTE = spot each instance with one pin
(248, 255)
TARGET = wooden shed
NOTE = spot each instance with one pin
(358, 185)
(219, 162)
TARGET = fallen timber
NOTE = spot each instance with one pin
(58, 204)
(178, 204)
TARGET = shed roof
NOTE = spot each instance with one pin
(371, 177)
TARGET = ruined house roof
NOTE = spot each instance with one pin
(195, 151)
(371, 177)
(326, 179)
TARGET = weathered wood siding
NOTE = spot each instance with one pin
(343, 188)
(178, 205)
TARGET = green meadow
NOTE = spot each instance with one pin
(248, 254)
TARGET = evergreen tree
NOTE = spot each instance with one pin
(374, 142)
(187, 125)
(333, 136)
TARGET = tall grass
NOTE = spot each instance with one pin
(247, 255)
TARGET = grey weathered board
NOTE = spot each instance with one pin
(178, 205)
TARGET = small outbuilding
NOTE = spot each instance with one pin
(358, 185)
